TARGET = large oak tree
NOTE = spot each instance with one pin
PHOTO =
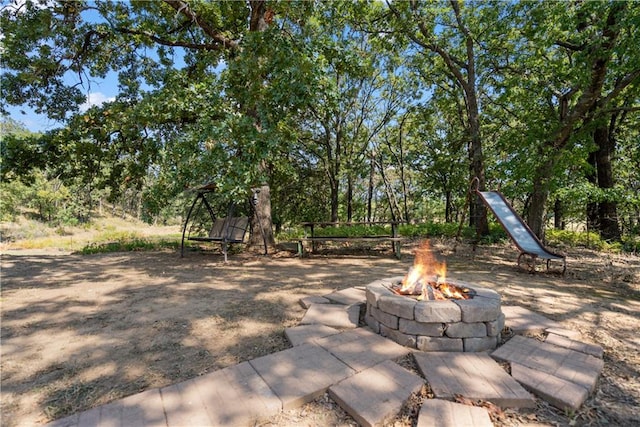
(202, 86)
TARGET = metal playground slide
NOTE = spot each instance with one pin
(521, 235)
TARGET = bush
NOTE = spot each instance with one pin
(575, 238)
(430, 229)
(631, 244)
(417, 231)
(129, 245)
(592, 240)
(450, 230)
(12, 195)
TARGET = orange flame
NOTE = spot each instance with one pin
(426, 269)
(452, 291)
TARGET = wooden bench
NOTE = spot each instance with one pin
(226, 231)
(314, 238)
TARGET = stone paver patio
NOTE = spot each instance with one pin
(443, 413)
(377, 394)
(331, 353)
(475, 376)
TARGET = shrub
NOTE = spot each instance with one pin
(575, 238)
(129, 245)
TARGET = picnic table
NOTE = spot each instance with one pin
(313, 233)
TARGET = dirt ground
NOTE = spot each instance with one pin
(80, 331)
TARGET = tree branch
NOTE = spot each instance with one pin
(592, 95)
(620, 86)
(165, 42)
(221, 41)
(570, 46)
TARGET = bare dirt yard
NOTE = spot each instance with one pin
(80, 331)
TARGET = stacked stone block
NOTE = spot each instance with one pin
(451, 325)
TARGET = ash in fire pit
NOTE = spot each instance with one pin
(424, 310)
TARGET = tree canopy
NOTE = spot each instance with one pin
(336, 110)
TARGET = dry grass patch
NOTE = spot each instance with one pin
(80, 331)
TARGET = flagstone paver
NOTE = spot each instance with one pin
(300, 374)
(580, 368)
(376, 394)
(443, 413)
(562, 376)
(560, 393)
(183, 405)
(583, 347)
(236, 395)
(355, 365)
(361, 348)
(304, 334)
(522, 320)
(473, 375)
(348, 296)
(306, 302)
(569, 333)
(334, 315)
(139, 410)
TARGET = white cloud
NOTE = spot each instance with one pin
(19, 6)
(95, 99)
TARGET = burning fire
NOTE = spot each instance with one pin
(427, 278)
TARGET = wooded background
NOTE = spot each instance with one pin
(336, 110)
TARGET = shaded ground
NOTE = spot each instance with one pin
(80, 331)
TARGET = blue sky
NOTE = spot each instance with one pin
(100, 92)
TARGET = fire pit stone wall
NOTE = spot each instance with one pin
(449, 325)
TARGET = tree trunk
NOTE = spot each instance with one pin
(448, 208)
(464, 73)
(592, 205)
(477, 209)
(261, 225)
(334, 199)
(608, 216)
(539, 196)
(403, 179)
(607, 209)
(393, 205)
(335, 164)
(349, 198)
(558, 215)
(569, 118)
(372, 170)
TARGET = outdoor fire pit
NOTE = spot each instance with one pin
(427, 311)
